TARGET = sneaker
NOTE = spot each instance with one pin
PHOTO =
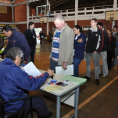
(88, 78)
(115, 67)
(97, 82)
(104, 76)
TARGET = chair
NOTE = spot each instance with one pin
(16, 114)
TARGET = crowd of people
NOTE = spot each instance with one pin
(69, 46)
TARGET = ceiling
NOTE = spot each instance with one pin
(65, 4)
(70, 4)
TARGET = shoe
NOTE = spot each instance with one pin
(88, 78)
(97, 82)
(115, 67)
(104, 76)
(48, 116)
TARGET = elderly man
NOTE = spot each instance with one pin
(62, 45)
(16, 39)
(13, 80)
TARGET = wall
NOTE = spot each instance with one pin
(20, 12)
(6, 17)
(22, 27)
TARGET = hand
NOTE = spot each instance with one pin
(25, 62)
(79, 40)
(95, 52)
(0, 56)
(64, 65)
(50, 72)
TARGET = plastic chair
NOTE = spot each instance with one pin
(20, 112)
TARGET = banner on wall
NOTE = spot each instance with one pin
(3, 9)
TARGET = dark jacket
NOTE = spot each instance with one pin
(94, 41)
(12, 82)
(106, 43)
(79, 47)
(18, 39)
(112, 41)
(31, 37)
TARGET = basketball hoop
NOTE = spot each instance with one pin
(43, 20)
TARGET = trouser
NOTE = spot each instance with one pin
(116, 54)
(109, 59)
(104, 63)
(53, 64)
(32, 53)
(39, 105)
(95, 62)
(76, 64)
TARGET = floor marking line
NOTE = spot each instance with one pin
(90, 98)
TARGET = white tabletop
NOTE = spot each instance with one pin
(64, 89)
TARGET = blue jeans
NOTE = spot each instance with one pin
(76, 64)
(32, 53)
(115, 59)
(53, 64)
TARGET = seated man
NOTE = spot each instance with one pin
(13, 80)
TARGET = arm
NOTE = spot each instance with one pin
(68, 48)
(24, 81)
(24, 44)
(100, 41)
(79, 43)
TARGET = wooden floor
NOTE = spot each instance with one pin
(94, 101)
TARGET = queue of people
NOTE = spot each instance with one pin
(69, 46)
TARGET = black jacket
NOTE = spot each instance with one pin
(106, 43)
(31, 37)
(94, 41)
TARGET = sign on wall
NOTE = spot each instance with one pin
(3, 9)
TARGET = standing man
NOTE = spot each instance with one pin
(115, 34)
(62, 45)
(31, 38)
(93, 47)
(16, 39)
(103, 53)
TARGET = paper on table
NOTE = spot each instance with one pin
(31, 70)
(77, 80)
(52, 88)
(61, 71)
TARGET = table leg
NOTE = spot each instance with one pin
(76, 102)
(58, 107)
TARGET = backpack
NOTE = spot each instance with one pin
(1, 42)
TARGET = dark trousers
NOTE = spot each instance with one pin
(76, 64)
(39, 105)
(53, 64)
(32, 53)
(109, 59)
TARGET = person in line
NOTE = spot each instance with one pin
(115, 34)
(51, 35)
(103, 52)
(16, 39)
(79, 48)
(31, 38)
(13, 80)
(93, 47)
(41, 37)
(111, 51)
(62, 45)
